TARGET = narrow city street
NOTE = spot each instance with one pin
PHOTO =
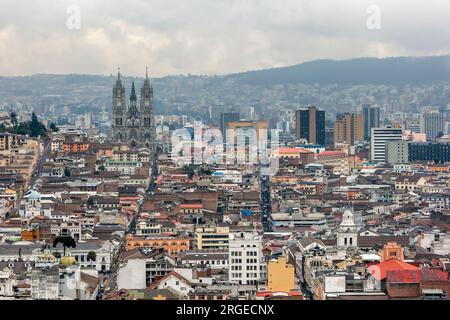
(266, 204)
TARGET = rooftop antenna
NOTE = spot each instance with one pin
(118, 73)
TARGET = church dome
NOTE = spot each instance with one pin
(68, 261)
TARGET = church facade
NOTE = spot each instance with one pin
(133, 123)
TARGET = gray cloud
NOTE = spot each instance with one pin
(210, 37)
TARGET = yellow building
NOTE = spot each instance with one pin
(349, 128)
(212, 238)
(281, 276)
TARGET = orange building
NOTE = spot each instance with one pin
(173, 246)
(76, 147)
(439, 168)
(31, 234)
(104, 151)
(392, 250)
(75, 143)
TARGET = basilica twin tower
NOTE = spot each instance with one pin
(133, 125)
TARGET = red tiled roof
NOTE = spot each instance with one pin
(379, 271)
(404, 276)
(416, 276)
(293, 150)
(433, 275)
(331, 153)
(191, 206)
(270, 293)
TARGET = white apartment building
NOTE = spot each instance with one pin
(245, 258)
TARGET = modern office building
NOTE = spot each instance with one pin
(397, 152)
(371, 119)
(378, 139)
(349, 128)
(329, 137)
(224, 119)
(429, 151)
(310, 125)
(432, 123)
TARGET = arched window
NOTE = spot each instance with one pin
(345, 241)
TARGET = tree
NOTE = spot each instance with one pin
(53, 127)
(101, 168)
(91, 256)
(189, 170)
(13, 117)
(66, 172)
(205, 171)
(34, 125)
(90, 202)
(67, 242)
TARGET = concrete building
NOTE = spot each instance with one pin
(45, 284)
(211, 238)
(397, 152)
(378, 139)
(432, 123)
(349, 128)
(245, 258)
(280, 275)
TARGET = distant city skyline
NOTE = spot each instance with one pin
(210, 37)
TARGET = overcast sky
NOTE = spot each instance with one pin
(210, 36)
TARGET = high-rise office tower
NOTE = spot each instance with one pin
(371, 119)
(432, 124)
(349, 128)
(378, 139)
(310, 125)
(329, 137)
(226, 117)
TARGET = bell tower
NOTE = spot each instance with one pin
(347, 235)
(119, 109)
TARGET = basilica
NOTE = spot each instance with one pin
(134, 124)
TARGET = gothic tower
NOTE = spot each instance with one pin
(148, 131)
(119, 110)
(134, 125)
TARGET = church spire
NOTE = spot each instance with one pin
(133, 93)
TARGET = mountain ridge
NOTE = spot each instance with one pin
(363, 70)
